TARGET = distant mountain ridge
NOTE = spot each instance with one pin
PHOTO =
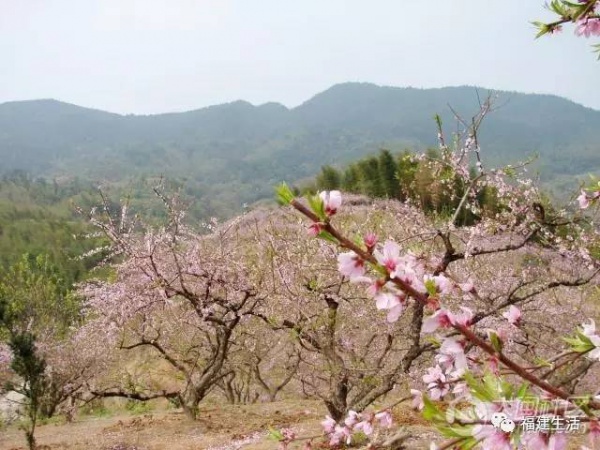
(234, 152)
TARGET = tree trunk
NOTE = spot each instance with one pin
(189, 402)
(337, 404)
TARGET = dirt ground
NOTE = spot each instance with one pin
(219, 427)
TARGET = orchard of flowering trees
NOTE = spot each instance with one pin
(362, 298)
(482, 315)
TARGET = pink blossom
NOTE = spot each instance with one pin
(442, 284)
(393, 303)
(463, 318)
(452, 355)
(315, 229)
(583, 200)
(485, 410)
(513, 315)
(544, 441)
(332, 201)
(556, 29)
(433, 304)
(461, 390)
(438, 390)
(384, 418)
(594, 432)
(588, 27)
(386, 300)
(436, 382)
(444, 319)
(467, 288)
(289, 436)
(433, 375)
(328, 425)
(440, 319)
(492, 438)
(410, 271)
(389, 257)
(370, 240)
(351, 265)
(375, 287)
(352, 419)
(395, 313)
(365, 425)
(339, 435)
(417, 401)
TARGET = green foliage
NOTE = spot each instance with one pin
(317, 206)
(39, 218)
(427, 182)
(27, 364)
(227, 155)
(284, 194)
(387, 169)
(329, 178)
(31, 367)
(430, 411)
(37, 296)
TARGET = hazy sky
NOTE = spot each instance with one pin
(149, 56)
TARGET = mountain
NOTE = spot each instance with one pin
(233, 153)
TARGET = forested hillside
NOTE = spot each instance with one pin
(231, 154)
(38, 218)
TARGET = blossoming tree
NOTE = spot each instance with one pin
(479, 297)
(177, 295)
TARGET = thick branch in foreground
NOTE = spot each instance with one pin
(144, 397)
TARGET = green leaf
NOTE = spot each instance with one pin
(456, 432)
(576, 10)
(431, 339)
(485, 391)
(327, 236)
(558, 8)
(580, 343)
(430, 411)
(466, 443)
(522, 392)
(284, 194)
(430, 286)
(541, 362)
(496, 342)
(275, 435)
(381, 270)
(318, 207)
(469, 444)
(542, 28)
